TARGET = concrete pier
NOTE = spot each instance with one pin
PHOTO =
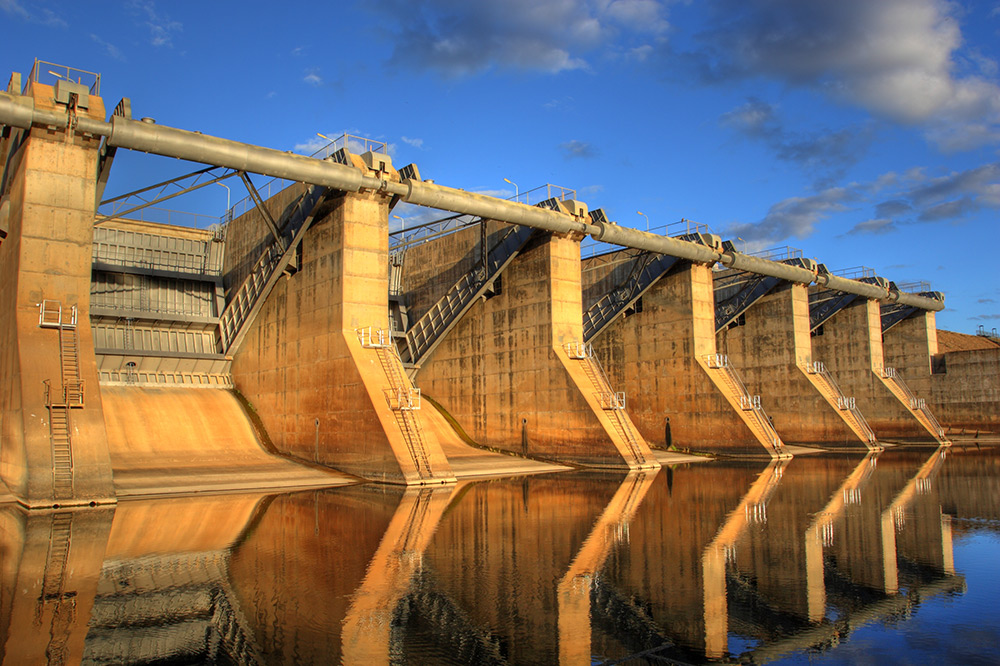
(317, 365)
(666, 360)
(121, 343)
(851, 347)
(516, 375)
(773, 349)
(55, 445)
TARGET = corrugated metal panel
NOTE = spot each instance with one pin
(132, 248)
(124, 291)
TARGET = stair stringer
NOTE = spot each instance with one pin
(644, 460)
(748, 417)
(373, 379)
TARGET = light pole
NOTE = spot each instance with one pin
(402, 225)
(228, 211)
(517, 192)
(645, 216)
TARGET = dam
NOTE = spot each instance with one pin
(300, 344)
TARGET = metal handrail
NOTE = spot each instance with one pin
(844, 402)
(374, 338)
(579, 350)
(36, 73)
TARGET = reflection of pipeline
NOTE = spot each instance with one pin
(19, 111)
(452, 628)
(893, 517)
(828, 635)
(367, 632)
(575, 588)
(722, 547)
(820, 532)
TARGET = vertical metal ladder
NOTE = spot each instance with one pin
(759, 422)
(611, 401)
(60, 400)
(53, 591)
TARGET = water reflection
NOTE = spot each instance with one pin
(703, 562)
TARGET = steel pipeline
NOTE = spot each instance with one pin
(18, 111)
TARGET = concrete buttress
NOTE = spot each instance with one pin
(665, 357)
(315, 364)
(773, 351)
(516, 375)
(851, 347)
(53, 441)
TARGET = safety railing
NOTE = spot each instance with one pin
(402, 398)
(135, 377)
(917, 405)
(579, 350)
(717, 361)
(748, 402)
(612, 400)
(844, 402)
(41, 68)
(69, 394)
(374, 338)
(52, 315)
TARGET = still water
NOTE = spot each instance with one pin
(832, 559)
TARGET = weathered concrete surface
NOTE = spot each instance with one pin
(319, 392)
(658, 356)
(962, 387)
(214, 447)
(851, 347)
(47, 592)
(909, 345)
(47, 255)
(504, 374)
(773, 350)
(967, 396)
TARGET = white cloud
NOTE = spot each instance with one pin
(795, 217)
(42, 15)
(161, 27)
(311, 145)
(466, 38)
(416, 143)
(897, 58)
(15, 8)
(109, 48)
(313, 78)
(577, 148)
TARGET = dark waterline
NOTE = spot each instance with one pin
(831, 559)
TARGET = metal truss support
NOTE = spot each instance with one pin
(138, 195)
(264, 212)
(895, 313)
(754, 287)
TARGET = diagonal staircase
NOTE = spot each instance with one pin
(611, 401)
(916, 406)
(403, 399)
(430, 329)
(846, 406)
(647, 269)
(242, 308)
(728, 380)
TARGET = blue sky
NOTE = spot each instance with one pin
(862, 132)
